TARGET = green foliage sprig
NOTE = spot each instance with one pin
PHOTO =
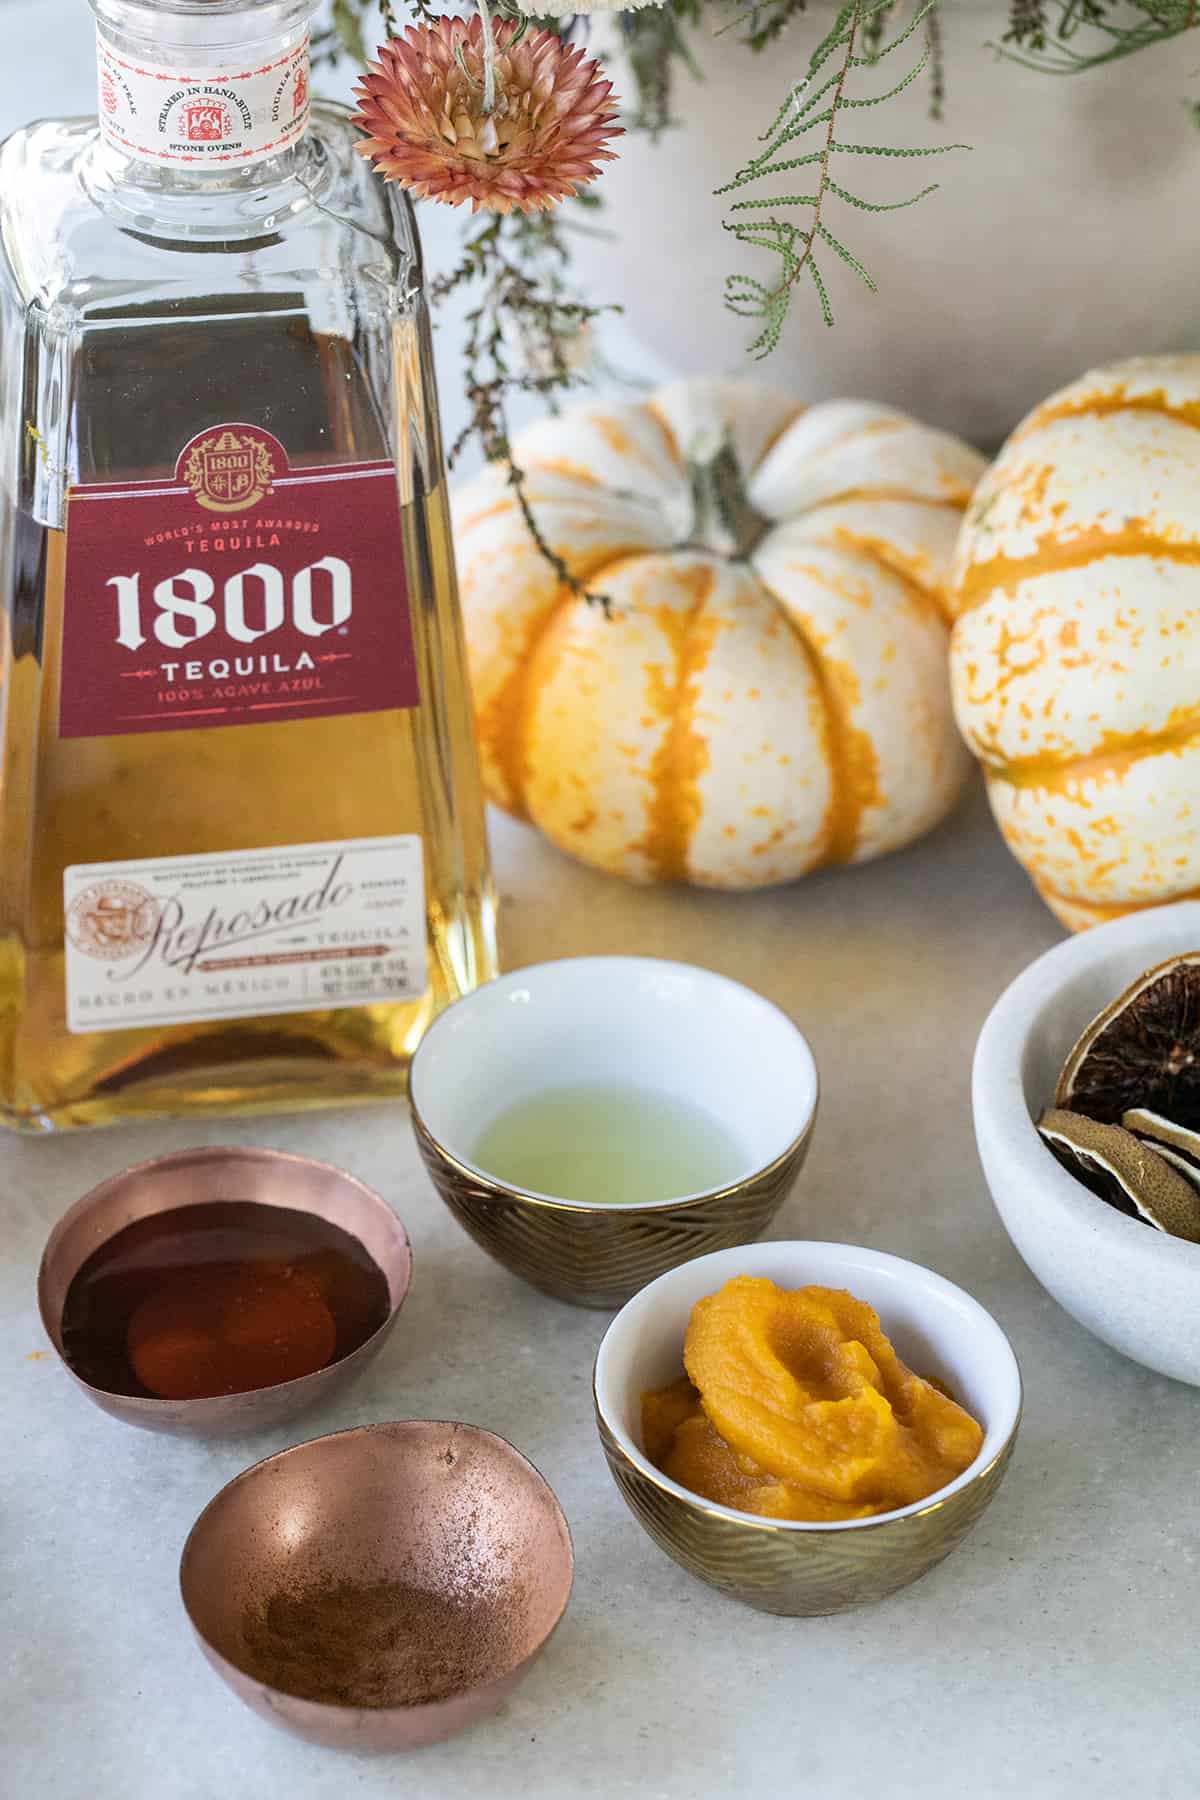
(1069, 37)
(817, 103)
(523, 327)
(1060, 36)
(347, 29)
(766, 20)
(656, 50)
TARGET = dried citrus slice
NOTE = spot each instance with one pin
(1142, 1051)
(1175, 1143)
(1122, 1170)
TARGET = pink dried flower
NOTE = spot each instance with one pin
(422, 108)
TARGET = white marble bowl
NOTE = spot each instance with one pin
(1135, 1288)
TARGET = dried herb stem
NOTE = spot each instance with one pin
(792, 275)
(518, 339)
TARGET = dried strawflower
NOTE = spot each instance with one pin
(522, 134)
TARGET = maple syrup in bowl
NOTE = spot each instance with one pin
(218, 1291)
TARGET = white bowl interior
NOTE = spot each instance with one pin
(937, 1328)
(668, 1026)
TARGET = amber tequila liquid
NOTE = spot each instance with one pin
(242, 850)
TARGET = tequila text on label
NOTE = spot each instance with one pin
(223, 666)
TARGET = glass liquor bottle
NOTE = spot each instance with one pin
(242, 849)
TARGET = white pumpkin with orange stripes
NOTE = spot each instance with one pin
(767, 691)
(1076, 656)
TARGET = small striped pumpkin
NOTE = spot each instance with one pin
(767, 692)
(1076, 656)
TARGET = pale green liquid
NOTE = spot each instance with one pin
(609, 1144)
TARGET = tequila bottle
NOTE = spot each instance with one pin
(242, 850)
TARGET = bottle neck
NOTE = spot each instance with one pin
(202, 96)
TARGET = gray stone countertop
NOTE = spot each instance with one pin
(1052, 1657)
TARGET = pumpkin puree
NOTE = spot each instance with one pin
(796, 1406)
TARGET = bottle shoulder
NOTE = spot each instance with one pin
(71, 239)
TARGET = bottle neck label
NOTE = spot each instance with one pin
(187, 118)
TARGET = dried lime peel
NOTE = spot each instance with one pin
(1123, 1170)
(1176, 1143)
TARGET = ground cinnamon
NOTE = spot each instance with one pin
(379, 1644)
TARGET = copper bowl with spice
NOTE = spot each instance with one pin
(380, 1589)
(217, 1292)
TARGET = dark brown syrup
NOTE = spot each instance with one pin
(221, 1298)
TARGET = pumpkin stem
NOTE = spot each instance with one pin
(723, 520)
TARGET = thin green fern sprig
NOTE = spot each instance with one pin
(818, 100)
(763, 21)
(1107, 30)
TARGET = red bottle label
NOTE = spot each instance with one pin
(243, 593)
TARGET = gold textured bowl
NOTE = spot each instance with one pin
(662, 1025)
(793, 1567)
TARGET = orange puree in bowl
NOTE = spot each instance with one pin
(796, 1406)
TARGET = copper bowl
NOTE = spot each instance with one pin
(200, 1177)
(451, 1512)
